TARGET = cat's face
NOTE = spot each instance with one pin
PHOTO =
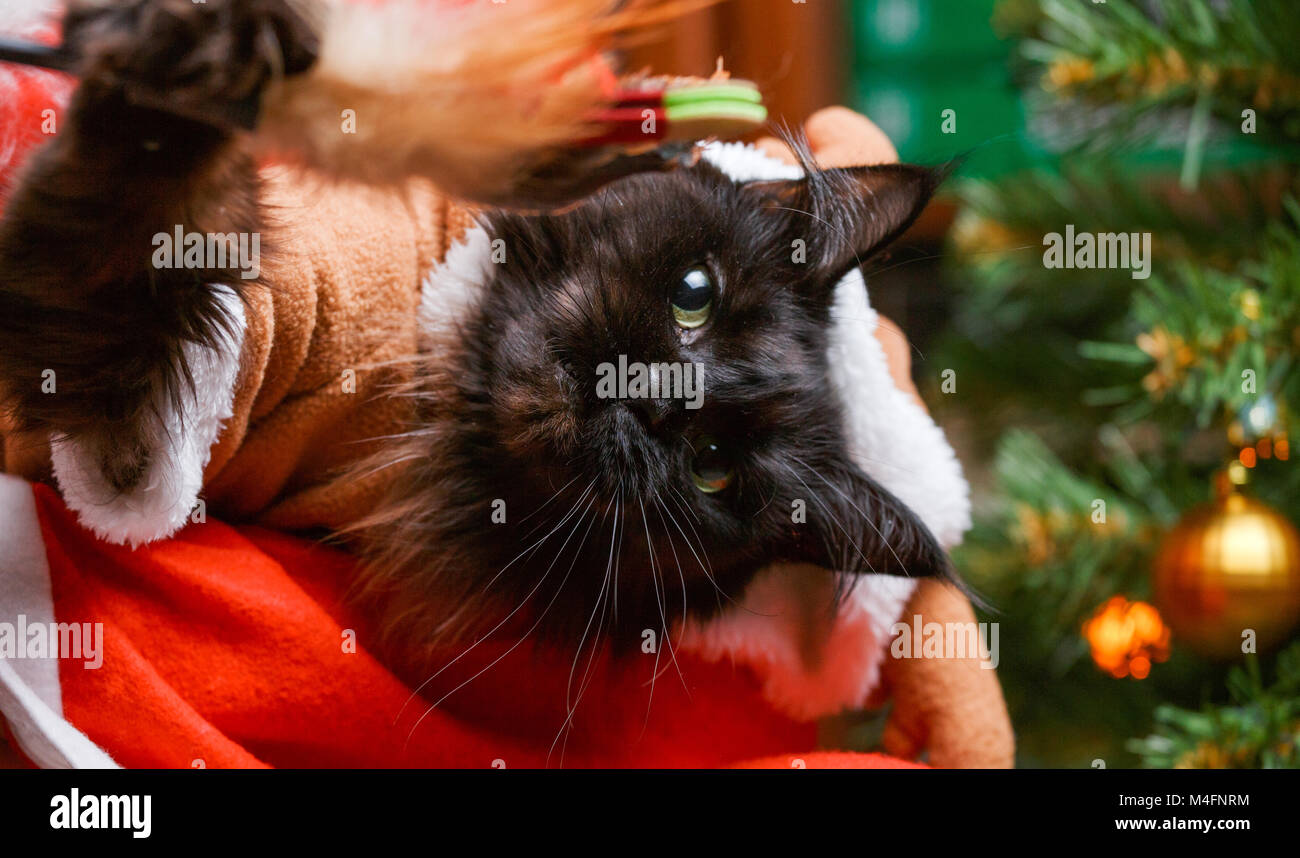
(644, 401)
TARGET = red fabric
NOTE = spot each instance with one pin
(223, 647)
(25, 94)
(829, 760)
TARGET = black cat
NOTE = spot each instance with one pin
(625, 512)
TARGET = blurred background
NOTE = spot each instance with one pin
(1128, 440)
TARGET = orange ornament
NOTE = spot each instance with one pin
(1228, 568)
(1126, 637)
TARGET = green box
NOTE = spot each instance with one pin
(932, 119)
(933, 32)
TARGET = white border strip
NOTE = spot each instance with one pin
(31, 698)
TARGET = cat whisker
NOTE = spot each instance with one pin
(865, 517)
(418, 432)
(767, 502)
(684, 505)
(363, 473)
(446, 623)
(590, 489)
(655, 673)
(707, 564)
(588, 676)
(718, 591)
(602, 603)
(548, 502)
(682, 578)
(661, 596)
(664, 639)
(663, 631)
(527, 552)
(838, 316)
(843, 558)
(705, 567)
(531, 629)
(619, 557)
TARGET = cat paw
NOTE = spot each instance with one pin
(208, 60)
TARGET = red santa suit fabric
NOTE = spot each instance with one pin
(235, 647)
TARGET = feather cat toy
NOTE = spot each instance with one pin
(382, 93)
(426, 382)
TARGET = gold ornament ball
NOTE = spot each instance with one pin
(1226, 567)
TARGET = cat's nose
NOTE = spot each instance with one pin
(653, 413)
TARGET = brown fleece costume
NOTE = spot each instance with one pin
(345, 265)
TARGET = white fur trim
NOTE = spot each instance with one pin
(44, 735)
(451, 287)
(25, 582)
(179, 447)
(31, 698)
(894, 441)
(744, 163)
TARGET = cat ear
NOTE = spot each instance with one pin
(854, 525)
(845, 215)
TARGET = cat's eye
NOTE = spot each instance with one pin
(692, 298)
(710, 467)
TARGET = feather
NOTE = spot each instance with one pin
(498, 103)
(476, 97)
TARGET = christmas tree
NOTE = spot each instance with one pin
(1124, 347)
